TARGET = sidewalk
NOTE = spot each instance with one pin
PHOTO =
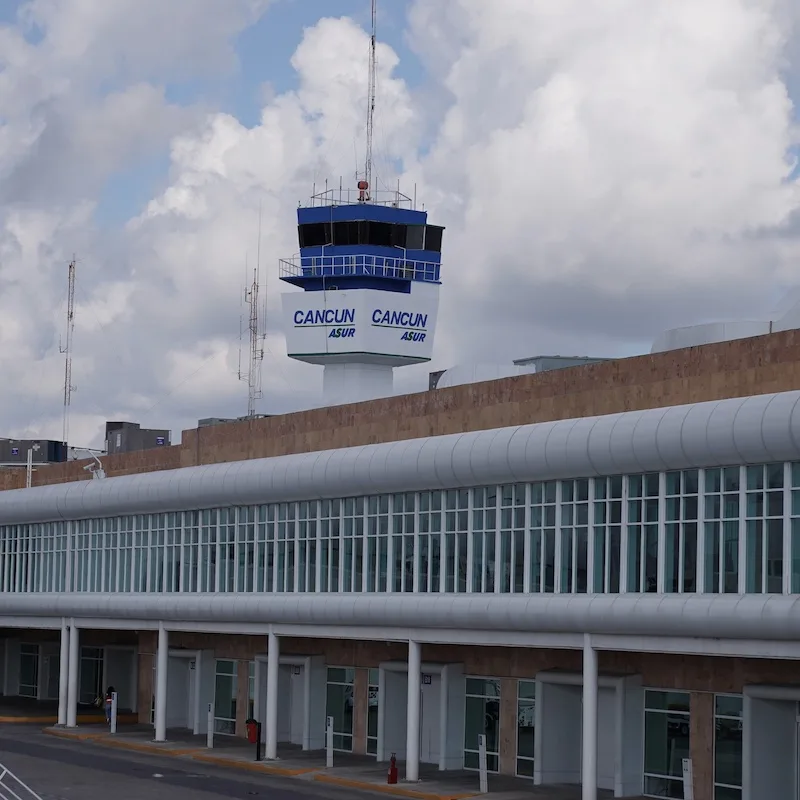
(349, 770)
(21, 711)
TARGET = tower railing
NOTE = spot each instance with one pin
(344, 197)
(359, 265)
(12, 788)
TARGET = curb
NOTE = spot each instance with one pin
(105, 740)
(78, 737)
(400, 791)
(150, 749)
(88, 720)
(263, 767)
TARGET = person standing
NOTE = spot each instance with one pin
(109, 699)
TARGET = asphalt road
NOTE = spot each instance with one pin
(58, 769)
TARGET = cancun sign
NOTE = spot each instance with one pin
(320, 317)
(343, 318)
(412, 324)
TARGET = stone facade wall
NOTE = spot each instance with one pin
(758, 365)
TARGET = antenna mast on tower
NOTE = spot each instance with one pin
(66, 349)
(257, 335)
(372, 92)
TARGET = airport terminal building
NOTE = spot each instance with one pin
(598, 568)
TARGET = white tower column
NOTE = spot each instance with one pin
(63, 674)
(162, 665)
(356, 382)
(589, 772)
(72, 681)
(414, 702)
(273, 664)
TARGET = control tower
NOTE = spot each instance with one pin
(369, 267)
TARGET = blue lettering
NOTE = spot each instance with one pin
(325, 316)
(342, 333)
(399, 319)
(413, 336)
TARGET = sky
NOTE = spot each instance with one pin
(605, 170)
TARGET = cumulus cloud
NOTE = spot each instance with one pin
(612, 181)
(605, 169)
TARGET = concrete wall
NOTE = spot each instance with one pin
(758, 365)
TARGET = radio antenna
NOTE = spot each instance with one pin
(372, 90)
(66, 350)
(257, 332)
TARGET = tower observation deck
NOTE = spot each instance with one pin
(370, 271)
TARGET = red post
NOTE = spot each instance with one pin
(392, 778)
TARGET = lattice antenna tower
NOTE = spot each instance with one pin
(256, 324)
(66, 349)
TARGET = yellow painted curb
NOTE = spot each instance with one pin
(141, 747)
(88, 720)
(107, 740)
(395, 789)
(254, 766)
(79, 737)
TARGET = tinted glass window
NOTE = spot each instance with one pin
(345, 233)
(314, 235)
(399, 236)
(433, 238)
(380, 234)
(415, 237)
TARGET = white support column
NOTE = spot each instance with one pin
(162, 664)
(72, 680)
(589, 772)
(414, 702)
(273, 665)
(63, 674)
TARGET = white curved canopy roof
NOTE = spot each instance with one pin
(746, 430)
(764, 617)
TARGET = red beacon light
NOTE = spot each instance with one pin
(363, 188)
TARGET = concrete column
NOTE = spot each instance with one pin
(273, 665)
(414, 702)
(589, 772)
(73, 667)
(162, 664)
(63, 674)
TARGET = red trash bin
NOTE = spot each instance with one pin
(252, 731)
